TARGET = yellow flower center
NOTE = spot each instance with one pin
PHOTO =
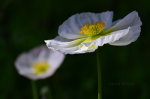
(92, 29)
(41, 67)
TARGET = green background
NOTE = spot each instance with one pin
(25, 24)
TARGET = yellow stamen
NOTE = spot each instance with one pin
(41, 67)
(92, 29)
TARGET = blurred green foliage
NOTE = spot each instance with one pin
(26, 24)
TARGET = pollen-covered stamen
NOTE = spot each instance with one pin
(92, 29)
(41, 68)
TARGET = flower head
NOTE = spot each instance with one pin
(39, 63)
(84, 32)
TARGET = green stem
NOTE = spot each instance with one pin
(34, 90)
(99, 76)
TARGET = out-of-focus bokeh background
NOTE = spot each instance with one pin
(25, 24)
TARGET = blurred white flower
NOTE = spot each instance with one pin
(84, 32)
(39, 63)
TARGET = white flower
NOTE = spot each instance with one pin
(39, 63)
(84, 32)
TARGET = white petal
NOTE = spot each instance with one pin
(106, 17)
(114, 36)
(70, 47)
(63, 45)
(86, 49)
(70, 29)
(23, 63)
(133, 34)
(26, 60)
(55, 59)
(132, 19)
(40, 53)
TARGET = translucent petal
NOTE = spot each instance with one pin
(130, 20)
(133, 34)
(71, 27)
(133, 21)
(70, 47)
(114, 36)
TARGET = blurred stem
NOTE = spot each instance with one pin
(50, 93)
(46, 92)
(34, 90)
(99, 75)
